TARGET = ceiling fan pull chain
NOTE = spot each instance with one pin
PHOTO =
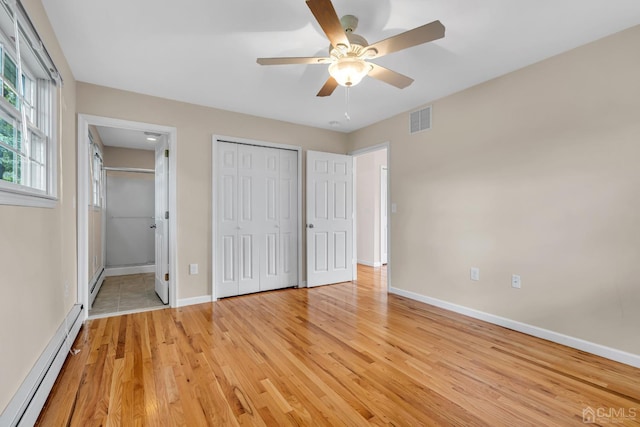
(346, 104)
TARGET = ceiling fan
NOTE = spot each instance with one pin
(349, 52)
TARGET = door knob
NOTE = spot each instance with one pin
(153, 226)
(310, 225)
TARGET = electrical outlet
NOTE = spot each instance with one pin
(193, 268)
(475, 273)
(515, 281)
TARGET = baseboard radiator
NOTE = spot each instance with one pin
(24, 408)
(95, 285)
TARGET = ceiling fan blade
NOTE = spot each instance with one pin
(391, 77)
(329, 86)
(328, 19)
(293, 60)
(424, 34)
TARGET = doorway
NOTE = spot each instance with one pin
(372, 221)
(133, 221)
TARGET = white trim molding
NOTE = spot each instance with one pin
(84, 120)
(556, 337)
(25, 406)
(195, 300)
(370, 264)
(365, 150)
(133, 269)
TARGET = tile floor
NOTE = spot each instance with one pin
(126, 293)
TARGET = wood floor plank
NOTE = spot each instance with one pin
(345, 354)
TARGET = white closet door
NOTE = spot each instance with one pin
(288, 218)
(250, 201)
(227, 244)
(270, 233)
(257, 242)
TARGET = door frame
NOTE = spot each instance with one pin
(384, 178)
(84, 121)
(358, 152)
(215, 139)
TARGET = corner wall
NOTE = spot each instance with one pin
(534, 173)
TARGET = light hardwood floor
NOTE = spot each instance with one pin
(345, 354)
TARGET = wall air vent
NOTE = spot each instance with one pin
(420, 120)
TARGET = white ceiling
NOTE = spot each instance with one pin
(204, 51)
(125, 138)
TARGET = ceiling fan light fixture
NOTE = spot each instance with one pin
(349, 71)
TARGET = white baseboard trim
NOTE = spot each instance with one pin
(194, 300)
(134, 269)
(369, 264)
(577, 343)
(27, 402)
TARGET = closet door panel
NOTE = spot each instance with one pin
(270, 255)
(227, 249)
(288, 224)
(249, 207)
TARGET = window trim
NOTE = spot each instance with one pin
(46, 98)
(97, 197)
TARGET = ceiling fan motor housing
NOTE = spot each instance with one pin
(348, 66)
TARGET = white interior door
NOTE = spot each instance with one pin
(162, 219)
(329, 218)
(383, 215)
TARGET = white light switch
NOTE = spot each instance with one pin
(475, 273)
(193, 268)
(515, 281)
(394, 208)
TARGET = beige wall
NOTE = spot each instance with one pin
(196, 125)
(38, 251)
(118, 157)
(368, 205)
(534, 173)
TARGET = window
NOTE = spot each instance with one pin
(28, 82)
(96, 174)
